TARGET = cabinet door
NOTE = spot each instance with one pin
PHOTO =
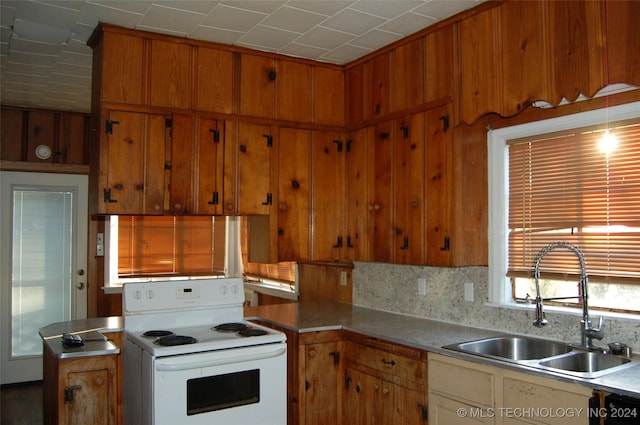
(438, 186)
(247, 185)
(480, 65)
(408, 70)
(380, 88)
(577, 48)
(132, 164)
(623, 42)
(294, 153)
(328, 95)
(439, 68)
(87, 391)
(40, 131)
(360, 398)
(327, 194)
(170, 74)
(415, 407)
(257, 86)
(358, 93)
(446, 411)
(409, 165)
(72, 142)
(214, 80)
(357, 178)
(118, 68)
(525, 66)
(293, 91)
(323, 378)
(381, 203)
(197, 154)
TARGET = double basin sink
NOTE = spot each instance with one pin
(547, 355)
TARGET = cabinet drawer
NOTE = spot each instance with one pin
(448, 378)
(390, 366)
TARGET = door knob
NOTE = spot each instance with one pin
(81, 272)
(80, 285)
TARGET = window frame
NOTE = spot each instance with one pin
(500, 289)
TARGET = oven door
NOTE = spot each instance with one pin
(235, 386)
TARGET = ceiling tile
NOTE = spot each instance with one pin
(231, 18)
(137, 6)
(304, 51)
(196, 6)
(324, 38)
(217, 35)
(50, 14)
(93, 13)
(326, 8)
(172, 20)
(408, 23)
(375, 38)
(385, 8)
(352, 22)
(442, 9)
(288, 18)
(264, 6)
(266, 37)
(346, 53)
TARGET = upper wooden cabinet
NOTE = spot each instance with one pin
(480, 65)
(118, 67)
(577, 48)
(249, 169)
(257, 85)
(196, 166)
(407, 88)
(440, 61)
(214, 80)
(380, 85)
(127, 174)
(623, 42)
(293, 91)
(356, 94)
(328, 96)
(170, 81)
(294, 187)
(525, 62)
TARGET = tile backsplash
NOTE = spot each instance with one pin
(394, 288)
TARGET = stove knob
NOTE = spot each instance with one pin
(149, 294)
(137, 295)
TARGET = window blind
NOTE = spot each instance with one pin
(563, 187)
(170, 245)
(284, 271)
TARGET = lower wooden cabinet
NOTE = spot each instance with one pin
(462, 392)
(385, 383)
(81, 390)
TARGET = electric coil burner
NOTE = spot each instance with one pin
(190, 358)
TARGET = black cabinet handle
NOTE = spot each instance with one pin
(339, 244)
(405, 244)
(214, 200)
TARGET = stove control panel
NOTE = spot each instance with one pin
(139, 298)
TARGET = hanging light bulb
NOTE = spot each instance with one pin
(608, 143)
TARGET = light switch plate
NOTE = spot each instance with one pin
(468, 292)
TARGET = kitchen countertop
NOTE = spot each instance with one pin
(429, 335)
(91, 330)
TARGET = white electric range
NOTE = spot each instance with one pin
(190, 358)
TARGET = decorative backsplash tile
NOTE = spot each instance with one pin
(394, 288)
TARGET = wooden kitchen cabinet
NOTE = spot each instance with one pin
(170, 74)
(197, 165)
(249, 163)
(409, 182)
(294, 184)
(380, 88)
(407, 82)
(322, 364)
(440, 65)
(623, 42)
(83, 390)
(293, 91)
(384, 383)
(214, 80)
(328, 96)
(257, 85)
(357, 96)
(127, 173)
(356, 183)
(480, 65)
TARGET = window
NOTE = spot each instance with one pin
(148, 247)
(549, 183)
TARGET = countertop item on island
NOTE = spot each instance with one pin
(90, 330)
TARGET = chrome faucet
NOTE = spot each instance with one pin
(588, 332)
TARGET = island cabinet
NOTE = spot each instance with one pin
(196, 165)
(384, 383)
(463, 392)
(82, 390)
(127, 168)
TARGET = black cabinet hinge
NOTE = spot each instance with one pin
(405, 131)
(425, 411)
(215, 199)
(107, 196)
(349, 142)
(108, 127)
(339, 243)
(405, 244)
(68, 393)
(216, 135)
(445, 246)
(445, 122)
(347, 381)
(338, 144)
(349, 244)
(269, 139)
(269, 200)
(168, 123)
(336, 357)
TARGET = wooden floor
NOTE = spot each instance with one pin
(21, 404)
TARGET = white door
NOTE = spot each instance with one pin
(43, 263)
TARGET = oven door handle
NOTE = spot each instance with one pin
(168, 367)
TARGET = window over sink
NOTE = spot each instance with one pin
(551, 181)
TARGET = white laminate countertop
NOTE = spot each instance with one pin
(429, 335)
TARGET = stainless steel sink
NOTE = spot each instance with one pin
(556, 357)
(513, 348)
(587, 364)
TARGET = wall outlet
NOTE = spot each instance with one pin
(100, 245)
(468, 292)
(422, 287)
